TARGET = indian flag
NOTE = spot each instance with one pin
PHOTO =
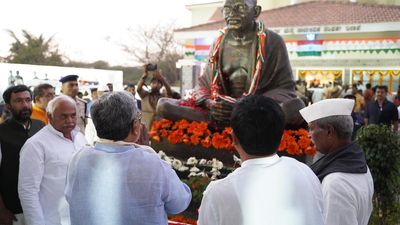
(309, 48)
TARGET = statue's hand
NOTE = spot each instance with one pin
(221, 110)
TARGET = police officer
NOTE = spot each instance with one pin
(70, 88)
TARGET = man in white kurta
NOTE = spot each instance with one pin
(266, 189)
(43, 165)
(346, 181)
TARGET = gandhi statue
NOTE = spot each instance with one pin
(246, 59)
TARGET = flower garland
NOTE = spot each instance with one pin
(297, 142)
(181, 220)
(294, 142)
(216, 70)
(191, 133)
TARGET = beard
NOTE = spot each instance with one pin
(23, 115)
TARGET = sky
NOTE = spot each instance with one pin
(88, 30)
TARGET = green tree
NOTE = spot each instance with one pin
(34, 50)
(382, 152)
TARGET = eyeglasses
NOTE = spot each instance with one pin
(240, 8)
(139, 117)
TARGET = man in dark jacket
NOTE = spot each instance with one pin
(13, 134)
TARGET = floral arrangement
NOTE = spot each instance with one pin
(191, 133)
(297, 142)
(208, 168)
(294, 142)
(181, 220)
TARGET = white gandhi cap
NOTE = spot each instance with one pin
(328, 107)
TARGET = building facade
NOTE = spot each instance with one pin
(328, 41)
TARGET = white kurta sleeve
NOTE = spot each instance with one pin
(177, 195)
(31, 170)
(339, 202)
(207, 212)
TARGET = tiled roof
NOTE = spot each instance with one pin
(315, 13)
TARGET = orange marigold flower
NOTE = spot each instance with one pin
(183, 124)
(156, 138)
(175, 138)
(156, 125)
(186, 139)
(164, 133)
(195, 139)
(304, 142)
(206, 142)
(153, 133)
(293, 148)
(310, 150)
(165, 123)
(217, 140)
(227, 131)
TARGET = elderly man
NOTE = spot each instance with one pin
(118, 182)
(246, 59)
(13, 134)
(70, 88)
(347, 184)
(43, 165)
(266, 189)
(42, 95)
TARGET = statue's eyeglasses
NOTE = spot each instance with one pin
(239, 8)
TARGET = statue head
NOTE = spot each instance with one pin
(240, 15)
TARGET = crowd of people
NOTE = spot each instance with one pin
(50, 174)
(67, 161)
(373, 105)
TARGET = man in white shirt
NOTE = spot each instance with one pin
(266, 189)
(347, 184)
(118, 182)
(43, 165)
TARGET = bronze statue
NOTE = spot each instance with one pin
(246, 59)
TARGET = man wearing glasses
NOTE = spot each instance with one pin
(118, 182)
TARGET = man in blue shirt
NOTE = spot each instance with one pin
(118, 182)
(381, 111)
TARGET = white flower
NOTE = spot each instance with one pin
(202, 162)
(191, 161)
(161, 154)
(194, 169)
(168, 160)
(214, 177)
(183, 168)
(202, 174)
(237, 160)
(217, 164)
(214, 169)
(192, 174)
(176, 164)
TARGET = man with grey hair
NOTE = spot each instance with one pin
(43, 165)
(347, 184)
(118, 182)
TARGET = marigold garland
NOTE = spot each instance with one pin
(191, 133)
(294, 142)
(181, 219)
(297, 142)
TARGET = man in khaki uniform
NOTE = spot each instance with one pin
(70, 88)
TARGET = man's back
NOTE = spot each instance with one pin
(270, 190)
(348, 198)
(122, 185)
